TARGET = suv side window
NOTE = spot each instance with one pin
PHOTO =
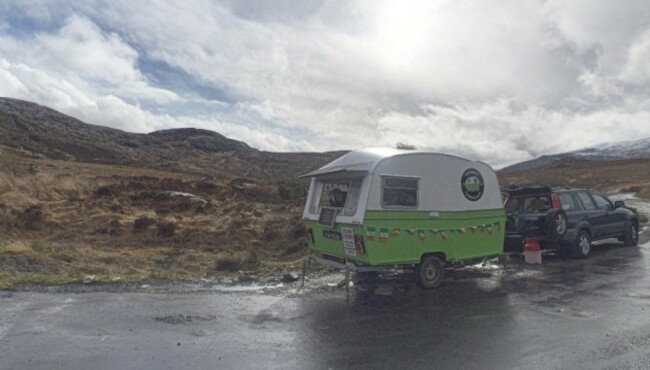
(567, 202)
(602, 202)
(586, 201)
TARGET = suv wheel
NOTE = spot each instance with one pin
(631, 235)
(430, 272)
(582, 245)
(556, 224)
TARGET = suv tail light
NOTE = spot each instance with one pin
(555, 201)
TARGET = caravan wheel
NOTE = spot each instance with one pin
(431, 272)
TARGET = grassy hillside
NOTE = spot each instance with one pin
(41, 132)
(61, 221)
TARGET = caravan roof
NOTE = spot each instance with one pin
(366, 160)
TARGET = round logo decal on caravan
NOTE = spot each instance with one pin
(472, 184)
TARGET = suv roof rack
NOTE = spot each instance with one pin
(526, 188)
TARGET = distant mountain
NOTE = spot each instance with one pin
(635, 149)
(42, 132)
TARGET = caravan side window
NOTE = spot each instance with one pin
(399, 192)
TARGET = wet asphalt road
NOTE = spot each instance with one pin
(566, 314)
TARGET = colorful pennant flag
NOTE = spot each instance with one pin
(370, 233)
(383, 235)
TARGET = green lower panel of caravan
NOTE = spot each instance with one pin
(401, 237)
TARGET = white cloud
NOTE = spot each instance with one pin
(498, 81)
(637, 68)
(9, 84)
(82, 49)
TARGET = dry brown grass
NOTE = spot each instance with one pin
(62, 221)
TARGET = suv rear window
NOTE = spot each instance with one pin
(538, 203)
(530, 203)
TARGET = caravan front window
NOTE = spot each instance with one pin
(399, 192)
(340, 193)
(353, 198)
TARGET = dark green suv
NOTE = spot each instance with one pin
(565, 219)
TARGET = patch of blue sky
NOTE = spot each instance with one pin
(162, 75)
(22, 21)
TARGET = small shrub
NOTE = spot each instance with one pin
(293, 192)
(142, 224)
(116, 207)
(298, 246)
(248, 259)
(103, 191)
(166, 229)
(65, 254)
(299, 231)
(114, 227)
(226, 262)
(40, 248)
(164, 261)
(162, 212)
(32, 218)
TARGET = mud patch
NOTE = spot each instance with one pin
(261, 318)
(183, 319)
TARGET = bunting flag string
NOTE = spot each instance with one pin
(386, 233)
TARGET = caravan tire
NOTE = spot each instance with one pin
(430, 272)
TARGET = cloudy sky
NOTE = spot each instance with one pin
(500, 81)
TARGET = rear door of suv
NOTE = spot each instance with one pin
(596, 217)
(574, 213)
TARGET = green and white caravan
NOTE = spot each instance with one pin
(378, 209)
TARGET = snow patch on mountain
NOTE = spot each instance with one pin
(632, 149)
